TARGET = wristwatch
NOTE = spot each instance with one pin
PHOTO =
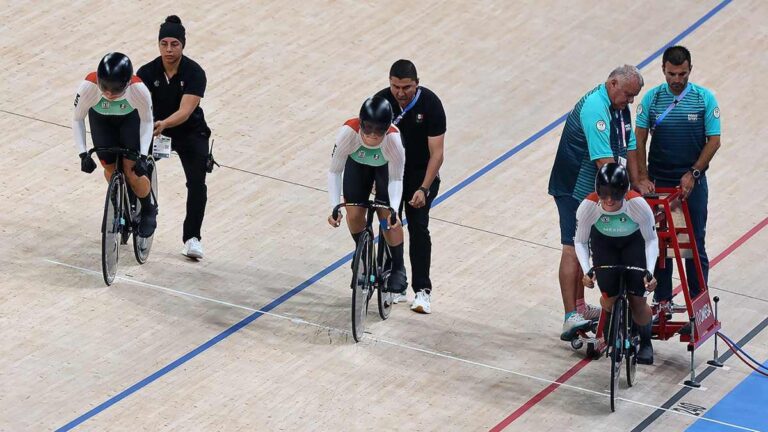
(695, 173)
(425, 190)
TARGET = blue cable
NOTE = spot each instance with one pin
(760, 365)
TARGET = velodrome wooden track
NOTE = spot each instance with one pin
(179, 345)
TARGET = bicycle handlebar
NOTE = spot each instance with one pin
(645, 272)
(115, 150)
(368, 205)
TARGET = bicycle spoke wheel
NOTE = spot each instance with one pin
(111, 228)
(142, 245)
(361, 285)
(385, 298)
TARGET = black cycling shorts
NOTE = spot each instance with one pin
(628, 250)
(115, 131)
(359, 180)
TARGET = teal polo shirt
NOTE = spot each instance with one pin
(593, 130)
(678, 140)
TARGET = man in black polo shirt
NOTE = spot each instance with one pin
(177, 84)
(420, 117)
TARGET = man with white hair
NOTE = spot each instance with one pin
(597, 131)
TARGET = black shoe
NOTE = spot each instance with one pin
(645, 353)
(397, 282)
(148, 221)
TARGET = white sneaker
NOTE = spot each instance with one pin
(397, 298)
(193, 249)
(592, 312)
(574, 323)
(421, 303)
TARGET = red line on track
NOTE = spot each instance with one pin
(580, 365)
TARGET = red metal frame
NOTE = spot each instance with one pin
(700, 308)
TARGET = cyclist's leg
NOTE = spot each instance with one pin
(398, 281)
(634, 254)
(357, 184)
(104, 133)
(606, 251)
(130, 139)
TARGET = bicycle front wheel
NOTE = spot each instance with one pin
(361, 285)
(142, 245)
(631, 356)
(383, 257)
(616, 348)
(111, 228)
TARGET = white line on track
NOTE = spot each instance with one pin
(399, 345)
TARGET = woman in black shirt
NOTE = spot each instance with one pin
(177, 84)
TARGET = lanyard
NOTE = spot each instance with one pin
(674, 103)
(408, 107)
(622, 136)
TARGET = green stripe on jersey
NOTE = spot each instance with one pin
(116, 107)
(618, 225)
(369, 156)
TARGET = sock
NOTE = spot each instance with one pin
(356, 237)
(146, 202)
(645, 333)
(397, 257)
(581, 307)
(568, 315)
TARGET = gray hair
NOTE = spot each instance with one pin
(625, 73)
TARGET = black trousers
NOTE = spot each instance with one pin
(192, 149)
(420, 242)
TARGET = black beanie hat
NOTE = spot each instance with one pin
(172, 28)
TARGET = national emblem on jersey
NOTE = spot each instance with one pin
(361, 154)
(600, 125)
(605, 219)
(716, 112)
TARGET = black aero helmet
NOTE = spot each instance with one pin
(114, 72)
(612, 181)
(375, 116)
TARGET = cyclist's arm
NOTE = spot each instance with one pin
(341, 150)
(87, 95)
(586, 215)
(640, 212)
(394, 153)
(139, 97)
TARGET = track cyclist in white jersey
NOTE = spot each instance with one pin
(620, 227)
(119, 110)
(369, 150)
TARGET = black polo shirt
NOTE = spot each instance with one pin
(425, 119)
(166, 94)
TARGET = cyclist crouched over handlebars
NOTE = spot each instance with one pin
(621, 229)
(369, 149)
(119, 110)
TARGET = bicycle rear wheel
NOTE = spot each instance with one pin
(361, 285)
(142, 245)
(383, 256)
(111, 228)
(616, 347)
